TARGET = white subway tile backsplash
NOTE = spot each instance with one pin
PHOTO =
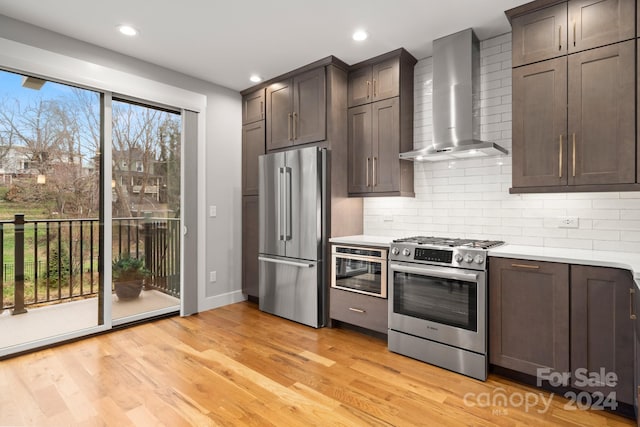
(630, 195)
(616, 225)
(617, 204)
(568, 243)
(629, 214)
(470, 198)
(617, 246)
(593, 234)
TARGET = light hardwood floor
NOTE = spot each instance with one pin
(238, 366)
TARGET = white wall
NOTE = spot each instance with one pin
(221, 163)
(470, 197)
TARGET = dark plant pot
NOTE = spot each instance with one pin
(128, 290)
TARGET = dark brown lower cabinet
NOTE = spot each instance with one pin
(573, 319)
(528, 315)
(636, 389)
(357, 309)
(602, 330)
(250, 227)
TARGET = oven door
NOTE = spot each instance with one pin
(362, 274)
(442, 304)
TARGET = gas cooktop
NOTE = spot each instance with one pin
(450, 242)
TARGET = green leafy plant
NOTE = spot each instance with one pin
(126, 268)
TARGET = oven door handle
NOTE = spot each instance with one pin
(466, 277)
(365, 258)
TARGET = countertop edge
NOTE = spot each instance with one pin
(363, 240)
(621, 260)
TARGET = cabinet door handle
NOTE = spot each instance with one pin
(632, 308)
(559, 37)
(574, 154)
(560, 158)
(373, 173)
(295, 129)
(357, 310)
(574, 33)
(368, 159)
(374, 88)
(261, 110)
(289, 127)
(368, 89)
(532, 267)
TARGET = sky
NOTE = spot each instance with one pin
(11, 87)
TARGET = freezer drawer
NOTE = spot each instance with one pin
(292, 289)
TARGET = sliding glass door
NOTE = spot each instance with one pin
(50, 144)
(146, 229)
(56, 193)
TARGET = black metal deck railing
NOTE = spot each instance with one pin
(49, 261)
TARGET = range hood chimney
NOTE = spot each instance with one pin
(456, 102)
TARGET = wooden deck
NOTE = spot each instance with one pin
(238, 366)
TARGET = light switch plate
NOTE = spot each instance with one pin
(213, 276)
(213, 211)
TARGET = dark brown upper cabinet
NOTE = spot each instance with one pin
(528, 315)
(296, 110)
(574, 116)
(253, 107)
(589, 141)
(539, 35)
(595, 23)
(601, 135)
(360, 146)
(374, 82)
(540, 32)
(380, 125)
(638, 118)
(540, 124)
(252, 147)
(602, 303)
(374, 147)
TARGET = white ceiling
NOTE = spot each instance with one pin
(225, 41)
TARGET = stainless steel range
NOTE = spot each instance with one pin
(438, 302)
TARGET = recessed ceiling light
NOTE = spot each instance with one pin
(127, 30)
(255, 78)
(360, 35)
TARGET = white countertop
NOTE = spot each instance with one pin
(624, 260)
(363, 240)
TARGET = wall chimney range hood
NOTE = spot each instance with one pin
(456, 102)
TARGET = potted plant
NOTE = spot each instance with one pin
(128, 276)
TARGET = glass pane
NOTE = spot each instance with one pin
(146, 211)
(50, 174)
(447, 301)
(360, 275)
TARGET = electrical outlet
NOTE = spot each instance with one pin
(212, 276)
(568, 222)
(387, 218)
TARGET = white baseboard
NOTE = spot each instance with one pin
(221, 300)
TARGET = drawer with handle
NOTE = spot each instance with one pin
(357, 309)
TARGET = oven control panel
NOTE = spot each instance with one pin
(434, 255)
(454, 257)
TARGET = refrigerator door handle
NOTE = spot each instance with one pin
(280, 197)
(286, 262)
(288, 213)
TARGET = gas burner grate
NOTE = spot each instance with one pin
(450, 242)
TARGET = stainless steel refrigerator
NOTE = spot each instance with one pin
(292, 200)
